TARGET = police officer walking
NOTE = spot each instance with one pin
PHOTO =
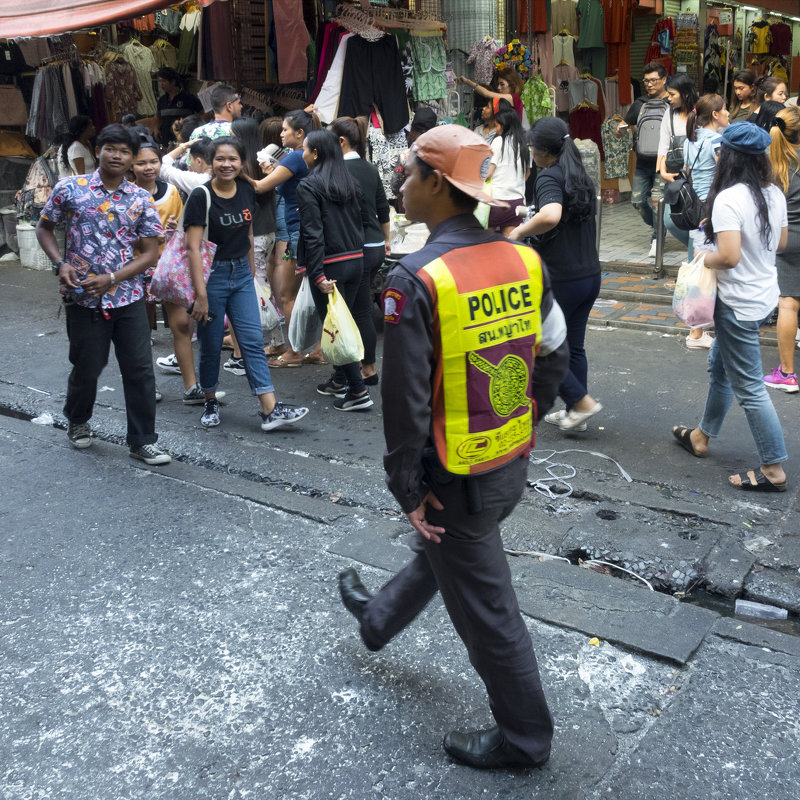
(467, 318)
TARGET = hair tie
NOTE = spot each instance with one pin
(565, 137)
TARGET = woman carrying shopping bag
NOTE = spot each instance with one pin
(331, 248)
(230, 289)
(748, 223)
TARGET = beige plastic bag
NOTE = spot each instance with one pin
(341, 340)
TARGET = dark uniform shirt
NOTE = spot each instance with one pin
(179, 107)
(407, 377)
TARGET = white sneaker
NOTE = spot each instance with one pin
(652, 253)
(556, 417)
(703, 343)
(169, 364)
(573, 420)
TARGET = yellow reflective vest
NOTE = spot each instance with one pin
(487, 320)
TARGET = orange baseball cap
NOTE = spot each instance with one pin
(461, 155)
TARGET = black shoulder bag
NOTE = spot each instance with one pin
(685, 207)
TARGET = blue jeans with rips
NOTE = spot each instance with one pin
(646, 189)
(734, 367)
(231, 291)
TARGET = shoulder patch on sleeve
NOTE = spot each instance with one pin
(393, 303)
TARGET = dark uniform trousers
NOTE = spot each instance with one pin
(470, 569)
(90, 337)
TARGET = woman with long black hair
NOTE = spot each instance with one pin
(331, 248)
(510, 167)
(563, 228)
(226, 205)
(747, 221)
(352, 136)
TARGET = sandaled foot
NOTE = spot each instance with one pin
(279, 362)
(755, 480)
(314, 359)
(683, 435)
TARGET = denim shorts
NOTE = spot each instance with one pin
(281, 234)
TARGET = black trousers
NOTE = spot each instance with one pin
(372, 75)
(347, 275)
(470, 569)
(363, 312)
(90, 336)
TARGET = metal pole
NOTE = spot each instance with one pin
(658, 267)
(598, 222)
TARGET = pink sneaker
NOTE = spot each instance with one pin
(777, 380)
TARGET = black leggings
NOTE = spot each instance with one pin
(347, 275)
(363, 311)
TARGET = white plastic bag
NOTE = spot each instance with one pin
(341, 340)
(695, 293)
(305, 326)
(269, 316)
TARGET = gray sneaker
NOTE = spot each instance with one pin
(210, 418)
(79, 435)
(281, 415)
(195, 396)
(150, 453)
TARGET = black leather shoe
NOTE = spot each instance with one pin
(354, 594)
(484, 750)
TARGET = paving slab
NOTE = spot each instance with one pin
(726, 568)
(778, 587)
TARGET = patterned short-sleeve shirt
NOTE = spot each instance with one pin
(102, 227)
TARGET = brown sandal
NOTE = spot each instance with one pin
(316, 361)
(279, 362)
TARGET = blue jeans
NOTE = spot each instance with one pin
(576, 299)
(231, 291)
(734, 366)
(646, 188)
(681, 235)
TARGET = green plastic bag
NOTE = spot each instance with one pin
(341, 340)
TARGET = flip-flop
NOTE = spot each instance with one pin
(314, 361)
(761, 484)
(682, 436)
(278, 362)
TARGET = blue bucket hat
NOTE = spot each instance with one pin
(746, 138)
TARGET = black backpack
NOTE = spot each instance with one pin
(685, 207)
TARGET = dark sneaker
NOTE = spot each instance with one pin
(79, 435)
(169, 364)
(351, 402)
(151, 454)
(281, 415)
(235, 366)
(331, 389)
(210, 416)
(195, 396)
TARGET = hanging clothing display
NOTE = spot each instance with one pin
(214, 51)
(430, 61)
(781, 37)
(617, 149)
(562, 49)
(563, 16)
(144, 66)
(590, 14)
(617, 32)
(292, 39)
(562, 75)
(760, 37)
(480, 56)
(122, 88)
(331, 38)
(327, 102)
(164, 54)
(536, 99)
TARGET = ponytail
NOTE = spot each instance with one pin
(353, 130)
(783, 154)
(300, 120)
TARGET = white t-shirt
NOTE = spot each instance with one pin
(668, 122)
(751, 287)
(78, 150)
(508, 179)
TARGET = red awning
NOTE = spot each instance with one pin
(44, 17)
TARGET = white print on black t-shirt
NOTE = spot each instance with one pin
(236, 220)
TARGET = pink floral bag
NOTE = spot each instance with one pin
(172, 279)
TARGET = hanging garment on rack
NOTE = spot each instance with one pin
(781, 35)
(563, 16)
(215, 54)
(481, 55)
(543, 56)
(372, 77)
(760, 37)
(562, 49)
(330, 44)
(430, 62)
(169, 20)
(582, 90)
(11, 59)
(141, 59)
(590, 13)
(536, 99)
(618, 32)
(122, 88)
(13, 104)
(164, 54)
(584, 123)
(34, 51)
(327, 102)
(406, 61)
(384, 152)
(48, 117)
(187, 51)
(541, 16)
(293, 39)
(613, 105)
(661, 39)
(617, 149)
(562, 75)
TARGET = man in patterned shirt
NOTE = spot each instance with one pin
(101, 282)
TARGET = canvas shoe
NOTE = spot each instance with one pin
(169, 364)
(235, 366)
(652, 253)
(703, 343)
(210, 418)
(352, 403)
(79, 435)
(151, 454)
(281, 415)
(195, 396)
(777, 380)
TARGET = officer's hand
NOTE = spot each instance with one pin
(417, 518)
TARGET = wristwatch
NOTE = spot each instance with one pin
(57, 266)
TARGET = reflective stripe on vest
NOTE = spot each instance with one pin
(488, 319)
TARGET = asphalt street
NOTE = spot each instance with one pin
(176, 632)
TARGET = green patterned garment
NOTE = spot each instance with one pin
(536, 99)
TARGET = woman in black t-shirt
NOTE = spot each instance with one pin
(564, 231)
(226, 205)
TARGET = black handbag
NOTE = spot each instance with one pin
(685, 207)
(673, 163)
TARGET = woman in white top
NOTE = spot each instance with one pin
(510, 167)
(747, 221)
(682, 97)
(199, 172)
(76, 152)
